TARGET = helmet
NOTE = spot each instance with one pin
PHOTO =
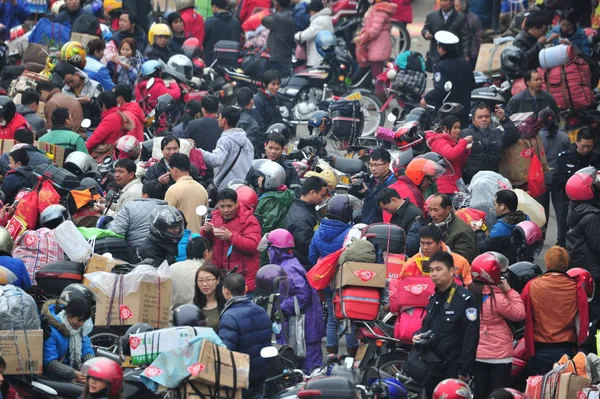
(516, 394)
(112, 5)
(128, 147)
(246, 194)
(581, 186)
(182, 64)
(546, 116)
(388, 237)
(440, 160)
(452, 388)
(585, 279)
(107, 370)
(80, 163)
(158, 30)
(53, 216)
(526, 233)
(326, 43)
(57, 6)
(6, 241)
(325, 172)
(191, 48)
(272, 279)
(273, 173)
(280, 128)
(74, 53)
(8, 109)
(487, 268)
(396, 389)
(3, 32)
(419, 115)
(399, 163)
(183, 4)
(343, 206)
(76, 290)
(321, 122)
(520, 273)
(513, 62)
(151, 66)
(419, 168)
(7, 276)
(165, 217)
(280, 238)
(137, 328)
(188, 315)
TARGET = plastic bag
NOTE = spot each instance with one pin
(131, 281)
(535, 183)
(483, 189)
(320, 275)
(72, 242)
(296, 331)
(18, 310)
(531, 207)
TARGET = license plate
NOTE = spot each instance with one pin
(345, 180)
(354, 96)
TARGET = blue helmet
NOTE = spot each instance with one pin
(326, 43)
(151, 66)
(396, 389)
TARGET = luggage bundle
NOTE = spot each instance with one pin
(358, 290)
(347, 118)
(227, 53)
(411, 78)
(409, 296)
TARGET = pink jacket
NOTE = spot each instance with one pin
(375, 34)
(495, 336)
(454, 152)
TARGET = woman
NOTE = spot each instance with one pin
(66, 342)
(182, 273)
(179, 34)
(128, 64)
(192, 110)
(79, 86)
(569, 32)
(104, 379)
(320, 20)
(209, 295)
(94, 67)
(499, 305)
(455, 149)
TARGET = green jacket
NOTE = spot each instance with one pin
(272, 208)
(460, 237)
(67, 139)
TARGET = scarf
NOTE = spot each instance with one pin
(75, 341)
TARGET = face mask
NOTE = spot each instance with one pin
(3, 123)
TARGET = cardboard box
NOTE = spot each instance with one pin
(212, 356)
(146, 347)
(8, 350)
(488, 60)
(149, 304)
(188, 392)
(82, 38)
(361, 275)
(569, 384)
(99, 263)
(56, 153)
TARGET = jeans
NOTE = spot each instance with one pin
(560, 203)
(544, 358)
(489, 377)
(333, 326)
(284, 69)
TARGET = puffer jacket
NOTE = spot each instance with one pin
(319, 22)
(328, 238)
(375, 34)
(273, 207)
(301, 221)
(108, 131)
(578, 39)
(18, 122)
(246, 234)
(454, 151)
(498, 342)
(499, 237)
(583, 240)
(370, 212)
(133, 220)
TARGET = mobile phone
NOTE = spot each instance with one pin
(425, 266)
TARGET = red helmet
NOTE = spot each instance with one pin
(585, 279)
(580, 186)
(128, 147)
(246, 194)
(191, 48)
(452, 388)
(487, 268)
(107, 370)
(516, 394)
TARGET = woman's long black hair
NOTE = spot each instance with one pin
(199, 297)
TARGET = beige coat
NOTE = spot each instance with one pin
(186, 195)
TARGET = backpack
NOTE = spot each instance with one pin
(408, 323)
(51, 34)
(411, 60)
(410, 291)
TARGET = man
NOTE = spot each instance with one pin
(30, 103)
(430, 241)
(233, 155)
(458, 235)
(420, 174)
(505, 204)
(453, 317)
(381, 177)
(205, 131)
(245, 101)
(245, 327)
(51, 95)
(221, 26)
(194, 23)
(302, 218)
(532, 39)
(580, 155)
(281, 37)
(71, 13)
(79, 86)
(402, 210)
(446, 19)
(131, 109)
(10, 120)
(130, 187)
(13, 13)
(186, 194)
(453, 68)
(128, 27)
(557, 314)
(19, 176)
(234, 234)
(488, 142)
(266, 111)
(61, 133)
(533, 99)
(25, 138)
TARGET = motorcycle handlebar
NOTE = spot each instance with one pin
(285, 374)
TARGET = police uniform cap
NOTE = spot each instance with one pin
(445, 37)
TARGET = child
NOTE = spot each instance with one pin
(126, 67)
(104, 379)
(19, 176)
(266, 104)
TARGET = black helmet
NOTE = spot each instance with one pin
(343, 206)
(77, 290)
(280, 128)
(321, 122)
(389, 237)
(520, 273)
(137, 328)
(189, 315)
(167, 223)
(513, 62)
(53, 216)
(8, 109)
(272, 279)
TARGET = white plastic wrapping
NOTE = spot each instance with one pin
(72, 242)
(483, 189)
(105, 281)
(531, 207)
(18, 310)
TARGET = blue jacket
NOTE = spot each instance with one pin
(578, 39)
(16, 180)
(99, 72)
(371, 213)
(245, 327)
(301, 16)
(182, 246)
(328, 238)
(18, 268)
(499, 238)
(11, 16)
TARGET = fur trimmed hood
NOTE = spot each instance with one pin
(49, 312)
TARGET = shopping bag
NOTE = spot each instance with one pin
(320, 275)
(296, 331)
(27, 209)
(47, 196)
(536, 184)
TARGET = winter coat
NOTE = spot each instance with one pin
(248, 7)
(407, 189)
(158, 250)
(583, 240)
(154, 52)
(266, 109)
(91, 89)
(19, 269)
(280, 42)
(578, 39)
(221, 26)
(292, 181)
(248, 124)
(301, 220)
(65, 138)
(475, 29)
(13, 15)
(370, 212)
(516, 160)
(495, 311)
(406, 215)
(454, 151)
(487, 147)
(553, 145)
(156, 171)
(18, 122)
(204, 131)
(177, 40)
(319, 22)
(108, 131)
(16, 180)
(133, 220)
(37, 123)
(462, 266)
(246, 234)
(36, 157)
(150, 96)
(135, 113)
(460, 237)
(194, 23)
(301, 16)
(138, 35)
(58, 99)
(245, 327)
(98, 72)
(413, 242)
(273, 207)
(375, 34)
(328, 238)
(67, 17)
(231, 142)
(499, 238)
(434, 22)
(531, 47)
(524, 102)
(483, 10)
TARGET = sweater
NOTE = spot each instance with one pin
(186, 195)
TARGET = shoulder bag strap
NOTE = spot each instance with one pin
(230, 167)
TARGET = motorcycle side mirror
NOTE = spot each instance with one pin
(448, 86)
(149, 83)
(201, 210)
(269, 352)
(86, 123)
(396, 112)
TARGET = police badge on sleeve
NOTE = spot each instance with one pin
(471, 314)
(437, 76)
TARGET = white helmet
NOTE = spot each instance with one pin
(80, 163)
(183, 4)
(273, 173)
(182, 64)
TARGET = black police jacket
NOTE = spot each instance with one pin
(569, 162)
(455, 69)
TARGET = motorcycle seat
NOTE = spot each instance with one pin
(386, 328)
(348, 165)
(65, 389)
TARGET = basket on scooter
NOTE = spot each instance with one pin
(227, 53)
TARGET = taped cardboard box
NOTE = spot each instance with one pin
(234, 367)
(145, 347)
(196, 390)
(54, 152)
(488, 60)
(99, 263)
(29, 346)
(360, 274)
(570, 384)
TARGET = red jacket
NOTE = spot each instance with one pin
(407, 189)
(136, 114)
(404, 12)
(248, 7)
(246, 234)
(18, 122)
(158, 89)
(194, 23)
(455, 152)
(108, 131)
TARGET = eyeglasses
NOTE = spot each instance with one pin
(207, 281)
(376, 165)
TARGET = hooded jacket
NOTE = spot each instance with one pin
(133, 220)
(454, 151)
(17, 122)
(38, 125)
(148, 97)
(499, 238)
(375, 34)
(242, 249)
(319, 22)
(328, 238)
(108, 131)
(302, 220)
(136, 115)
(221, 26)
(583, 240)
(370, 212)
(273, 207)
(16, 180)
(138, 35)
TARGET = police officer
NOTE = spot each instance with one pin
(453, 318)
(581, 155)
(451, 67)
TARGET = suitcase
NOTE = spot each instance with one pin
(227, 53)
(54, 277)
(408, 323)
(357, 303)
(410, 291)
(347, 118)
(61, 178)
(118, 248)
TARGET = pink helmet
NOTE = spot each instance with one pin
(128, 147)
(580, 186)
(585, 279)
(280, 238)
(529, 232)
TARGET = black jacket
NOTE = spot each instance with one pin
(67, 17)
(292, 181)
(370, 212)
(176, 42)
(583, 240)
(221, 26)
(16, 180)
(281, 43)
(569, 162)
(524, 102)
(157, 250)
(253, 132)
(138, 35)
(487, 147)
(301, 220)
(266, 110)
(456, 24)
(205, 132)
(158, 53)
(530, 47)
(156, 171)
(406, 215)
(455, 69)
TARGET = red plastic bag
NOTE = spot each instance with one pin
(47, 196)
(321, 273)
(27, 208)
(536, 184)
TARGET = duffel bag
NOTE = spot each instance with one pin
(410, 82)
